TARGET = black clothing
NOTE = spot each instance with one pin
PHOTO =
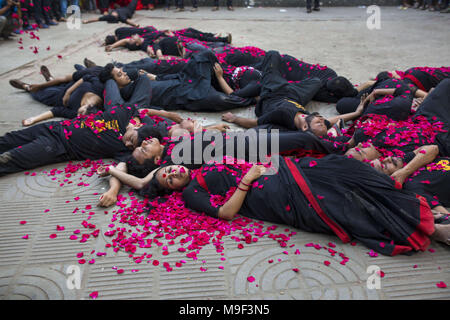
(436, 108)
(123, 13)
(280, 100)
(137, 93)
(332, 195)
(432, 182)
(53, 96)
(167, 45)
(396, 106)
(425, 78)
(89, 137)
(154, 66)
(191, 88)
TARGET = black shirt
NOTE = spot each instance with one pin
(98, 136)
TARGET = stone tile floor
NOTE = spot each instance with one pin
(40, 267)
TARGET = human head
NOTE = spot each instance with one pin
(341, 87)
(150, 149)
(166, 180)
(134, 42)
(135, 135)
(110, 39)
(316, 124)
(91, 102)
(184, 127)
(112, 72)
(363, 152)
(388, 165)
(347, 105)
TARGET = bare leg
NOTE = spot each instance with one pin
(41, 117)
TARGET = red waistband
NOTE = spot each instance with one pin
(313, 201)
(416, 81)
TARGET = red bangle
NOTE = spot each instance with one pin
(242, 189)
(247, 185)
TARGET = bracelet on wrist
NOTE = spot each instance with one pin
(242, 189)
(247, 185)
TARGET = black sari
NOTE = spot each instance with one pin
(332, 195)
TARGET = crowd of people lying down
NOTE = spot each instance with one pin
(378, 172)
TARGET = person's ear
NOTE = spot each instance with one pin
(157, 159)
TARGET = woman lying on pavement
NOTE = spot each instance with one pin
(332, 195)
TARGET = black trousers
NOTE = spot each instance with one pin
(181, 4)
(309, 2)
(217, 101)
(32, 147)
(229, 3)
(275, 87)
(140, 96)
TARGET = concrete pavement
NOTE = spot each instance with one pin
(35, 255)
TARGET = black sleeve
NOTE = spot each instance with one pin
(198, 199)
(405, 90)
(251, 90)
(64, 112)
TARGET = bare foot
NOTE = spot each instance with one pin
(229, 117)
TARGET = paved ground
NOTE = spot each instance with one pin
(37, 267)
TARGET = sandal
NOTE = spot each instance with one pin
(46, 73)
(19, 84)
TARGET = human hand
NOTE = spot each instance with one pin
(254, 173)
(107, 199)
(103, 171)
(400, 176)
(218, 70)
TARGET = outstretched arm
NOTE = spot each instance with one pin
(175, 117)
(131, 23)
(128, 179)
(109, 198)
(117, 44)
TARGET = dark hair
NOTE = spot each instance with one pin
(140, 170)
(310, 117)
(341, 87)
(148, 131)
(94, 109)
(347, 105)
(132, 46)
(105, 74)
(154, 189)
(110, 39)
(383, 75)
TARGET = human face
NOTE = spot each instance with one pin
(136, 39)
(130, 137)
(173, 177)
(318, 127)
(363, 152)
(120, 77)
(388, 165)
(300, 121)
(149, 149)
